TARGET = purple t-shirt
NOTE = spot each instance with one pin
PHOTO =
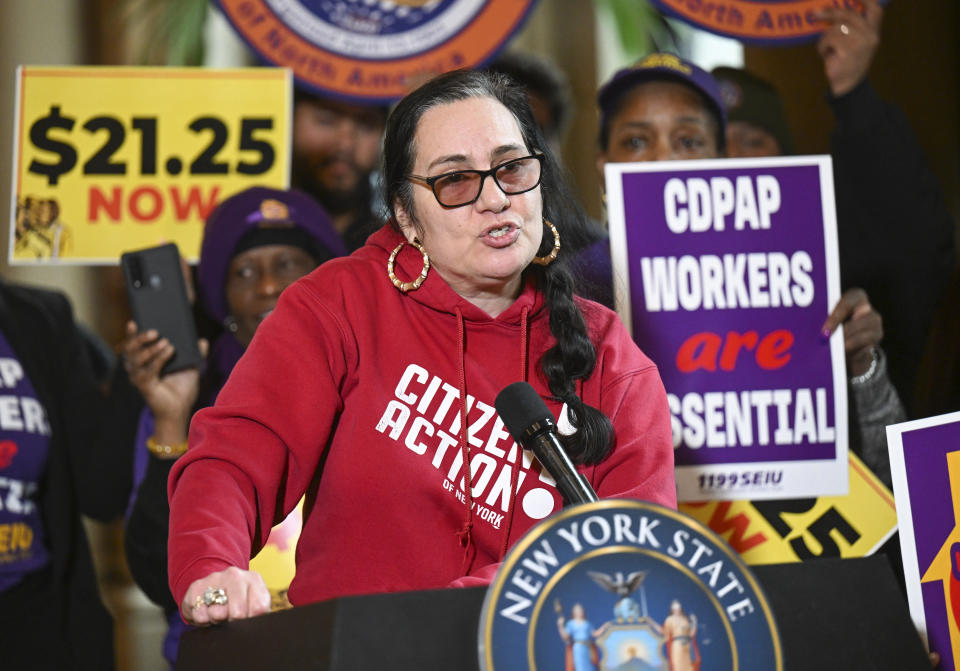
(24, 451)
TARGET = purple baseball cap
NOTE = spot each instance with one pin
(260, 215)
(658, 67)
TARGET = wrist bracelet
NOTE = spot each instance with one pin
(166, 451)
(871, 371)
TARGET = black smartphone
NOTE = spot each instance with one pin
(158, 300)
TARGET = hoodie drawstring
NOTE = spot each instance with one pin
(466, 532)
(515, 468)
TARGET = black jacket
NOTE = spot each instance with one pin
(54, 618)
(895, 231)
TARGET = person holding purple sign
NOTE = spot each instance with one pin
(662, 108)
(895, 233)
(667, 108)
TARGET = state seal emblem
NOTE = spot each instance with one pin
(625, 585)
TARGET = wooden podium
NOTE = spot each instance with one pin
(831, 613)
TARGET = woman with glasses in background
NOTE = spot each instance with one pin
(370, 388)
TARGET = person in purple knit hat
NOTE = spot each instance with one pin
(255, 244)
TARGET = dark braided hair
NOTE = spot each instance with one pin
(574, 356)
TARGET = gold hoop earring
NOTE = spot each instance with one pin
(549, 258)
(408, 286)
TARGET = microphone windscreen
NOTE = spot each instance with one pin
(520, 407)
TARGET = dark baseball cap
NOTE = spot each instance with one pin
(753, 100)
(660, 66)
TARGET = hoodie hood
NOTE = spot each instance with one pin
(435, 294)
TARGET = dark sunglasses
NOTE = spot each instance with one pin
(462, 187)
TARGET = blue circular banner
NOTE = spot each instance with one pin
(626, 585)
(374, 50)
(760, 22)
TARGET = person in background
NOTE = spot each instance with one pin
(53, 469)
(876, 402)
(336, 149)
(896, 236)
(548, 92)
(256, 243)
(756, 121)
(938, 384)
(360, 388)
(667, 108)
(661, 108)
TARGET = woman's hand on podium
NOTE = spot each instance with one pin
(232, 594)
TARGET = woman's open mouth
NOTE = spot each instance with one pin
(501, 236)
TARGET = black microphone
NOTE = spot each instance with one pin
(530, 423)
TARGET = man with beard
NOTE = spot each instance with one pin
(336, 148)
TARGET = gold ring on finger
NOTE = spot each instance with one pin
(214, 596)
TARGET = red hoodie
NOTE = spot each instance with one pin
(350, 392)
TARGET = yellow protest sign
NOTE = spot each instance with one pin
(109, 159)
(790, 530)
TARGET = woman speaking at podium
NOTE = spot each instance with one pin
(370, 387)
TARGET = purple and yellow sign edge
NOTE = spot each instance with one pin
(905, 519)
(828, 477)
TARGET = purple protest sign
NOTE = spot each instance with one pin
(925, 465)
(724, 271)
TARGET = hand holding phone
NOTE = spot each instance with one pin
(158, 301)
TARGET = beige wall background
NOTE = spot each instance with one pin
(565, 32)
(38, 32)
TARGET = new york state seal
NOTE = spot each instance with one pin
(624, 585)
